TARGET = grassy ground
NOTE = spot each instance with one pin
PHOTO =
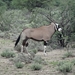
(7, 67)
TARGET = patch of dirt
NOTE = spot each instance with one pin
(8, 68)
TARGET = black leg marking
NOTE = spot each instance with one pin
(25, 43)
(45, 43)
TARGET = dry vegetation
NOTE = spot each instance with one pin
(39, 65)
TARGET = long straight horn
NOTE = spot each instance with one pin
(49, 17)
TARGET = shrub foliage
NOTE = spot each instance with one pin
(36, 66)
(8, 54)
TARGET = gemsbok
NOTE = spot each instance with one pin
(43, 33)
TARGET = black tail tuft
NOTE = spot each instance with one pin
(17, 40)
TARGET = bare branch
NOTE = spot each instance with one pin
(48, 16)
(64, 16)
(68, 20)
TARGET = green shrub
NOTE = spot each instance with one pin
(32, 54)
(73, 46)
(33, 51)
(68, 54)
(38, 59)
(65, 66)
(8, 54)
(36, 66)
(19, 64)
(54, 63)
(73, 61)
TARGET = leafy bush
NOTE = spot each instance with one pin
(34, 51)
(36, 66)
(54, 63)
(65, 66)
(38, 59)
(18, 4)
(73, 46)
(2, 7)
(72, 37)
(8, 54)
(73, 61)
(19, 64)
(68, 54)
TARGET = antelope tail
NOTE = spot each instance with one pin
(18, 39)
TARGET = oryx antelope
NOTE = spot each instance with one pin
(43, 33)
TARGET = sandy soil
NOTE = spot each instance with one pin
(8, 68)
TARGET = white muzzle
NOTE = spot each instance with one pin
(60, 29)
